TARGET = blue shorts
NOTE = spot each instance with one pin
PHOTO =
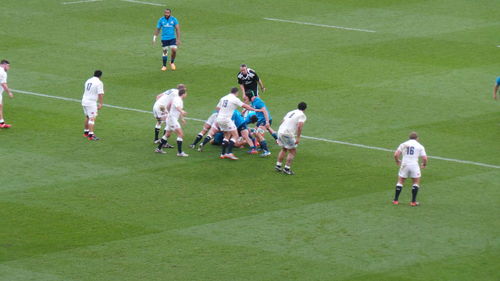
(263, 122)
(168, 43)
(218, 137)
(241, 128)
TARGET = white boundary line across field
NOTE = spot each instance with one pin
(321, 25)
(78, 2)
(144, 3)
(306, 137)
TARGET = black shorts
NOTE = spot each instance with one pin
(255, 90)
(168, 43)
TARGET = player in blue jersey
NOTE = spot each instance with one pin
(170, 37)
(495, 89)
(241, 125)
(263, 123)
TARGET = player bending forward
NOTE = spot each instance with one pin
(289, 134)
(176, 111)
(226, 106)
(411, 150)
(160, 111)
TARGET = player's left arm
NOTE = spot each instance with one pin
(6, 88)
(178, 33)
(100, 98)
(495, 91)
(300, 125)
(261, 84)
(266, 116)
(424, 162)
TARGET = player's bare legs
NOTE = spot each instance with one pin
(174, 54)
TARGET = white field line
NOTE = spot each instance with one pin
(144, 3)
(77, 2)
(306, 137)
(321, 25)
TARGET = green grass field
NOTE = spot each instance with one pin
(71, 209)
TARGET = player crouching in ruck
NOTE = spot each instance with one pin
(289, 134)
(411, 150)
(226, 106)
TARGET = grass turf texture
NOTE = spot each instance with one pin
(114, 210)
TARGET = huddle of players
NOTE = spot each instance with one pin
(228, 126)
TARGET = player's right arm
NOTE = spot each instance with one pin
(248, 107)
(495, 91)
(397, 153)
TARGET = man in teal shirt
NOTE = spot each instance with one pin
(170, 37)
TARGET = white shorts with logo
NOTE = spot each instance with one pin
(90, 110)
(158, 114)
(172, 124)
(409, 171)
(210, 121)
(286, 141)
(226, 125)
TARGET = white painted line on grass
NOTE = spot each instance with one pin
(77, 2)
(321, 25)
(306, 137)
(142, 2)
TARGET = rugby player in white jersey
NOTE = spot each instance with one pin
(92, 102)
(206, 127)
(289, 134)
(411, 151)
(160, 111)
(226, 106)
(4, 67)
(176, 111)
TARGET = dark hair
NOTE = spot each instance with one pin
(97, 73)
(250, 94)
(302, 106)
(243, 65)
(168, 10)
(182, 91)
(413, 136)
(4, 62)
(234, 90)
(181, 86)
(253, 118)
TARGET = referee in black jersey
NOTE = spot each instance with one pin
(248, 80)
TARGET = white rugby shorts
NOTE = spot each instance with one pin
(172, 124)
(210, 121)
(409, 171)
(90, 110)
(158, 114)
(286, 141)
(1, 99)
(226, 125)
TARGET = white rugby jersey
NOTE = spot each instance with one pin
(167, 97)
(290, 122)
(411, 151)
(3, 78)
(93, 87)
(227, 105)
(176, 102)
